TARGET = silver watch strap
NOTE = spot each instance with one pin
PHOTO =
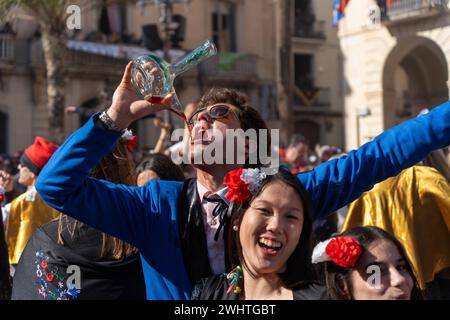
(108, 122)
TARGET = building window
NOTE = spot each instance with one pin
(224, 26)
(303, 18)
(303, 64)
(305, 91)
(112, 20)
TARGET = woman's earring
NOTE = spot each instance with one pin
(235, 228)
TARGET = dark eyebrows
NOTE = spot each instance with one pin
(382, 264)
(296, 209)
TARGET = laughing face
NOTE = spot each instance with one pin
(270, 229)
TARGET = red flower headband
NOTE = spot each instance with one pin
(131, 140)
(242, 184)
(343, 251)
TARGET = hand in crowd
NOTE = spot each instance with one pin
(160, 123)
(317, 148)
(70, 109)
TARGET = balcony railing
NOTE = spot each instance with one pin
(406, 9)
(305, 26)
(77, 59)
(312, 97)
(6, 48)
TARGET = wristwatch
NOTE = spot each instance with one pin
(108, 122)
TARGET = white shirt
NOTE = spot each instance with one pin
(31, 196)
(216, 249)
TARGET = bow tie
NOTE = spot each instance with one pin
(220, 210)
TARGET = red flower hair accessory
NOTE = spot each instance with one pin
(343, 251)
(131, 140)
(243, 184)
(2, 194)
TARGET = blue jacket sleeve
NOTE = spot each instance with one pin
(115, 209)
(336, 183)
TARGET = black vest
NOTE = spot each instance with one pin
(192, 234)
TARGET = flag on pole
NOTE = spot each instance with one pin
(339, 10)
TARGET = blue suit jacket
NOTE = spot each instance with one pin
(147, 216)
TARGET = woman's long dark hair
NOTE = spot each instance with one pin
(299, 270)
(117, 167)
(338, 278)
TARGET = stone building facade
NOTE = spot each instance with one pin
(249, 60)
(395, 63)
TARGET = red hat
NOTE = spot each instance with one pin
(36, 156)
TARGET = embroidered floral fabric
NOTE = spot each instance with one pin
(50, 282)
(224, 286)
(233, 280)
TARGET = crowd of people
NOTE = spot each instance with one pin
(92, 219)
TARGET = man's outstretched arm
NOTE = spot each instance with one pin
(64, 183)
(336, 183)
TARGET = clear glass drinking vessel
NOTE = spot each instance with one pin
(153, 77)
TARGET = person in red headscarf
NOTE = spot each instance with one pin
(27, 212)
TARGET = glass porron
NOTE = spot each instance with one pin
(153, 78)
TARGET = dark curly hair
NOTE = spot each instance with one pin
(248, 116)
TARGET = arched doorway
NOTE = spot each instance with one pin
(310, 130)
(415, 77)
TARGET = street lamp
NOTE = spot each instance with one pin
(165, 19)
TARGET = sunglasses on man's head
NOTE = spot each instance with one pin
(218, 111)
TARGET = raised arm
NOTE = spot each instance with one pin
(336, 183)
(122, 211)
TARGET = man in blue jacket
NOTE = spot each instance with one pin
(176, 225)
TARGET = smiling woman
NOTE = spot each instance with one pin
(270, 241)
(368, 264)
